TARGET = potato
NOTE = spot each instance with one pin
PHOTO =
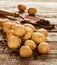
(2, 21)
(28, 34)
(43, 31)
(19, 30)
(44, 47)
(32, 11)
(38, 37)
(31, 44)
(7, 26)
(10, 33)
(21, 7)
(25, 51)
(14, 42)
(29, 25)
(17, 22)
(13, 26)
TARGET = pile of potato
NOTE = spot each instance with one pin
(17, 33)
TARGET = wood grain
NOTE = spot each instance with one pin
(33, 0)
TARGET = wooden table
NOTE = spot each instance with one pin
(45, 10)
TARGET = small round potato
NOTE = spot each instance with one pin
(44, 48)
(7, 26)
(25, 51)
(43, 31)
(30, 25)
(2, 21)
(10, 33)
(31, 44)
(38, 37)
(28, 34)
(21, 7)
(32, 11)
(14, 42)
(13, 26)
(19, 30)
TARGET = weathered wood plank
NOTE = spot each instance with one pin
(47, 15)
(52, 37)
(42, 60)
(41, 7)
(33, 0)
(10, 61)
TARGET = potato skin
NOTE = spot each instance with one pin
(17, 22)
(21, 7)
(2, 21)
(25, 51)
(14, 42)
(38, 37)
(13, 26)
(32, 11)
(29, 25)
(44, 48)
(31, 44)
(43, 31)
(10, 33)
(19, 30)
(7, 26)
(28, 34)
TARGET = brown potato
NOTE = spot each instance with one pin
(0, 24)
(2, 21)
(13, 26)
(7, 26)
(25, 51)
(14, 42)
(32, 11)
(44, 47)
(21, 7)
(10, 33)
(19, 30)
(17, 22)
(28, 34)
(38, 37)
(29, 25)
(43, 31)
(31, 44)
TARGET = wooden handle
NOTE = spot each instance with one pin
(7, 13)
(12, 14)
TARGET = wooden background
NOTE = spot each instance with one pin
(33, 0)
(45, 10)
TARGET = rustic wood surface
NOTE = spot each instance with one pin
(45, 10)
(32, 0)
